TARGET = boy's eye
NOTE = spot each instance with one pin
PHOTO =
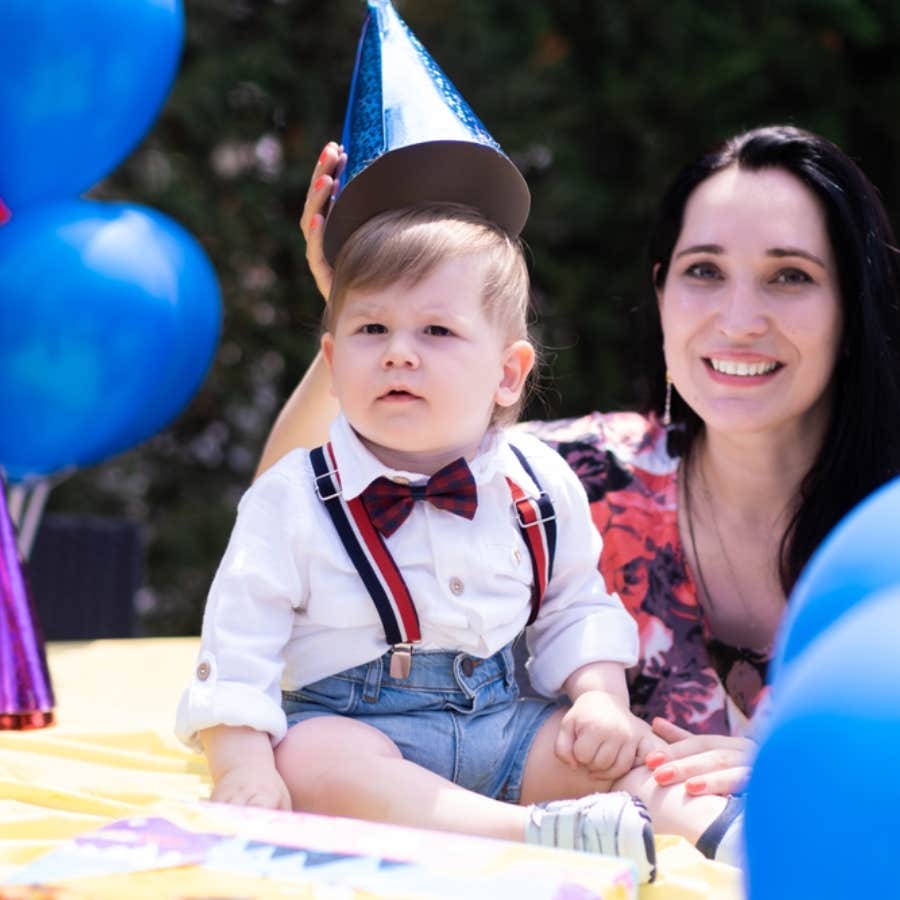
(373, 328)
(438, 330)
(703, 270)
(792, 276)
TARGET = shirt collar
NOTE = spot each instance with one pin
(359, 467)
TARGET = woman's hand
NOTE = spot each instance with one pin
(706, 763)
(321, 187)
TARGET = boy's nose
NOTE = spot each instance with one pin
(400, 352)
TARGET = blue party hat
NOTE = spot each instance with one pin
(411, 138)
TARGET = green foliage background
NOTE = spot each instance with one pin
(598, 102)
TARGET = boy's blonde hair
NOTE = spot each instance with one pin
(405, 245)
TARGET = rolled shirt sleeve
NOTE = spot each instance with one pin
(247, 621)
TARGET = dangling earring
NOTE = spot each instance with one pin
(667, 409)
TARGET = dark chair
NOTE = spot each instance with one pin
(85, 572)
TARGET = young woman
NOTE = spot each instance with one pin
(776, 280)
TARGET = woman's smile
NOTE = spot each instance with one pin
(742, 371)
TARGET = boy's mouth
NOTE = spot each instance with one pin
(399, 394)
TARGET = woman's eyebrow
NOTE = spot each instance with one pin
(700, 248)
(774, 251)
(795, 251)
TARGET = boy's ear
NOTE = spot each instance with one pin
(518, 361)
(327, 344)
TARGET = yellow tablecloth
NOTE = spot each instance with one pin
(112, 754)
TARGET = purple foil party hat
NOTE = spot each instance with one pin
(26, 697)
(411, 138)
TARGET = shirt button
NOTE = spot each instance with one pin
(517, 557)
(203, 671)
(399, 479)
(456, 586)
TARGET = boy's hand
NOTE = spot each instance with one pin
(242, 766)
(252, 786)
(601, 734)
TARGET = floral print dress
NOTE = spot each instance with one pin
(683, 674)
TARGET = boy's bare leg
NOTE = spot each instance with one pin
(338, 766)
(673, 810)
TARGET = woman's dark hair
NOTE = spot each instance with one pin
(861, 449)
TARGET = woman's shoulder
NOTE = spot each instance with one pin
(611, 451)
(612, 448)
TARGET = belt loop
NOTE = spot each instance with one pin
(509, 662)
(372, 683)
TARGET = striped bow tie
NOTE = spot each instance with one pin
(389, 503)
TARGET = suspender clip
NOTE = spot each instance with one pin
(545, 505)
(401, 661)
(329, 482)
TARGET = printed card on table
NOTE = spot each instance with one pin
(322, 853)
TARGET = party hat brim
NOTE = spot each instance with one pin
(462, 172)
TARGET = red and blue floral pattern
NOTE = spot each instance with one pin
(683, 674)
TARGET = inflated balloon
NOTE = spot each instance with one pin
(80, 84)
(822, 800)
(109, 318)
(858, 557)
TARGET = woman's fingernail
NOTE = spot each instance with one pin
(654, 759)
(695, 785)
(324, 154)
(320, 183)
(664, 775)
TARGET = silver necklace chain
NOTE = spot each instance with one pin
(710, 602)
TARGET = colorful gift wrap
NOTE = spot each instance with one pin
(250, 852)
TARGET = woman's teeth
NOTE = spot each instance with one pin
(734, 367)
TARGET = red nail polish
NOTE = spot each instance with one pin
(664, 775)
(320, 183)
(324, 154)
(657, 758)
(695, 785)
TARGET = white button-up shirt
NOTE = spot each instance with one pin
(287, 607)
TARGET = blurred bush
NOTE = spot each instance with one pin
(599, 102)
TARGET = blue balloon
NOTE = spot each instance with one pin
(859, 556)
(822, 800)
(109, 318)
(80, 84)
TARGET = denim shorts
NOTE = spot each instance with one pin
(457, 715)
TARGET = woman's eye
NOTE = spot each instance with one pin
(438, 331)
(704, 270)
(792, 276)
(373, 328)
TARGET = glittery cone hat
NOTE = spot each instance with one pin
(26, 697)
(411, 138)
